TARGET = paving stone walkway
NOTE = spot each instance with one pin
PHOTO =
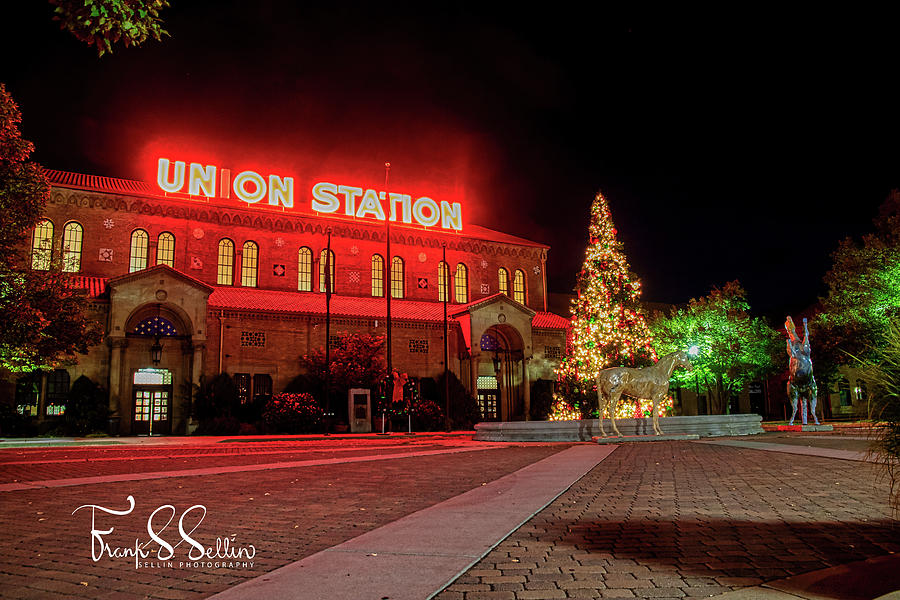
(689, 520)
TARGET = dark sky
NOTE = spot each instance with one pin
(730, 145)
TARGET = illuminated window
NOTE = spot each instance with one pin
(443, 282)
(225, 264)
(519, 287)
(57, 392)
(139, 242)
(844, 392)
(72, 237)
(262, 385)
(165, 249)
(325, 257)
(461, 285)
(503, 279)
(28, 394)
(304, 269)
(862, 391)
(242, 381)
(249, 263)
(377, 276)
(397, 277)
(42, 245)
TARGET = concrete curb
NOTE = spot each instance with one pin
(419, 555)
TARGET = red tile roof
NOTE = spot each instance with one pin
(312, 303)
(98, 183)
(128, 186)
(549, 320)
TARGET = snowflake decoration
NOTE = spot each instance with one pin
(108, 223)
(279, 242)
(354, 250)
(422, 257)
(353, 276)
(537, 269)
(483, 264)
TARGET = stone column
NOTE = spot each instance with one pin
(504, 392)
(117, 352)
(526, 393)
(196, 373)
(473, 375)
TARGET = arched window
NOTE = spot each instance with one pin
(249, 264)
(503, 281)
(397, 278)
(443, 282)
(844, 392)
(72, 237)
(42, 245)
(377, 276)
(519, 287)
(139, 242)
(461, 285)
(325, 257)
(165, 249)
(225, 262)
(155, 326)
(304, 269)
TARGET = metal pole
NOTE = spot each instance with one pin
(328, 284)
(388, 266)
(446, 344)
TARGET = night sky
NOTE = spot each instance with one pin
(741, 145)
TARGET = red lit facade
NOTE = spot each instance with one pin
(240, 290)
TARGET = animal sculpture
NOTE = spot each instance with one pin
(649, 383)
(801, 383)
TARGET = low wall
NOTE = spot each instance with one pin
(583, 430)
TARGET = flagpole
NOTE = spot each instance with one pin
(328, 285)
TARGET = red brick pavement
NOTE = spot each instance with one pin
(286, 514)
(687, 520)
(59, 464)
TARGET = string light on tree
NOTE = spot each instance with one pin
(608, 329)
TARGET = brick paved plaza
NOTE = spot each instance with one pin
(661, 520)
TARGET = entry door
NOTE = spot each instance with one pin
(151, 411)
(487, 404)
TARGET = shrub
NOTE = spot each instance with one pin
(219, 426)
(426, 415)
(87, 408)
(884, 371)
(12, 424)
(293, 413)
(541, 399)
(216, 406)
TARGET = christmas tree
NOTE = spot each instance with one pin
(608, 329)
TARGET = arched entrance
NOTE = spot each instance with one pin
(501, 380)
(155, 361)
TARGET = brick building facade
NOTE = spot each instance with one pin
(240, 289)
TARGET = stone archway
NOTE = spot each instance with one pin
(154, 397)
(502, 381)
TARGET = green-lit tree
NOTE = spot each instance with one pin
(729, 348)
(102, 23)
(43, 321)
(608, 329)
(863, 293)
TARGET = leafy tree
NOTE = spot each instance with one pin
(42, 319)
(357, 361)
(863, 293)
(102, 23)
(731, 347)
(608, 329)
